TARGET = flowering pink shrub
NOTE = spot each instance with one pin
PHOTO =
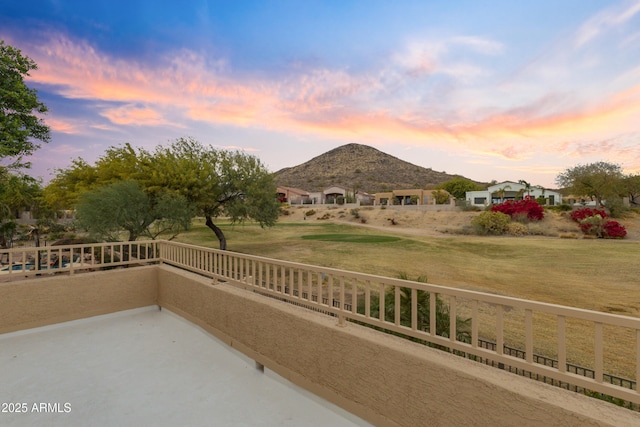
(592, 225)
(594, 222)
(580, 214)
(614, 230)
(525, 208)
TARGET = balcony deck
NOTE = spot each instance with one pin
(146, 367)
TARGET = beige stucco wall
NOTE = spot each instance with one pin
(47, 300)
(381, 378)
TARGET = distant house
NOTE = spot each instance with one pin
(339, 195)
(365, 198)
(411, 197)
(293, 196)
(509, 190)
(332, 194)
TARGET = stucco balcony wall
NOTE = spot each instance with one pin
(47, 300)
(381, 378)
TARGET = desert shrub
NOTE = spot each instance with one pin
(538, 229)
(423, 313)
(614, 230)
(525, 210)
(520, 217)
(325, 216)
(310, 212)
(616, 207)
(363, 220)
(594, 223)
(355, 213)
(466, 207)
(517, 229)
(491, 222)
(580, 214)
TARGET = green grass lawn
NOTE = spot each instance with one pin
(595, 274)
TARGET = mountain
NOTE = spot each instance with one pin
(360, 167)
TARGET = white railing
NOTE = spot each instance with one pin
(38, 261)
(455, 319)
(358, 297)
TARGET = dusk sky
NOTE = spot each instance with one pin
(492, 90)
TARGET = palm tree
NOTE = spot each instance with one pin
(527, 186)
(502, 191)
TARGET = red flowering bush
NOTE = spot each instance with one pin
(580, 214)
(519, 209)
(614, 230)
(594, 222)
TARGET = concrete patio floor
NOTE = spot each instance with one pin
(145, 367)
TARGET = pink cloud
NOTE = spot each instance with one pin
(370, 106)
(62, 125)
(130, 115)
(82, 72)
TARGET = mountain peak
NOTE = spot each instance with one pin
(358, 167)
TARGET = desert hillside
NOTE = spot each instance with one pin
(359, 167)
(443, 223)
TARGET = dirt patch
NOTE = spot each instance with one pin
(445, 223)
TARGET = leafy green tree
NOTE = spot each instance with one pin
(217, 183)
(632, 188)
(601, 181)
(441, 197)
(459, 186)
(19, 106)
(124, 206)
(17, 191)
(65, 189)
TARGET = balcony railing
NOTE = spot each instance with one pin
(38, 261)
(406, 308)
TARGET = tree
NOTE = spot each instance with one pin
(502, 191)
(217, 182)
(123, 205)
(601, 181)
(65, 189)
(459, 186)
(17, 191)
(527, 186)
(632, 188)
(19, 107)
(441, 197)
